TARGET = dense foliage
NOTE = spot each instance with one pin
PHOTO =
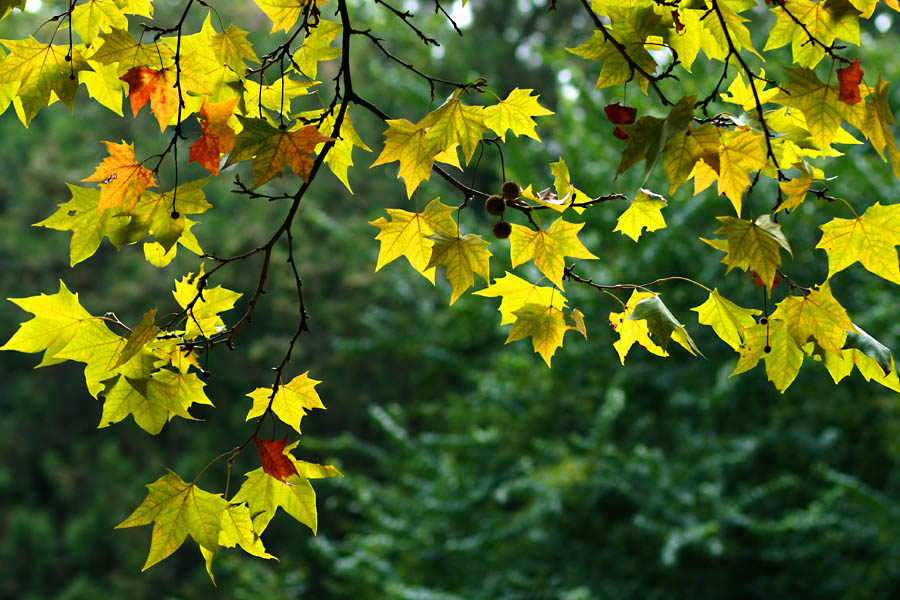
(156, 368)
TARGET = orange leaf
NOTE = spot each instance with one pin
(157, 87)
(122, 179)
(217, 137)
(274, 461)
(849, 79)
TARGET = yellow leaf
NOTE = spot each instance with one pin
(740, 153)
(726, 318)
(461, 257)
(316, 48)
(515, 113)
(795, 189)
(742, 94)
(783, 359)
(546, 325)
(455, 123)
(516, 292)
(633, 331)
(409, 144)
(405, 234)
(645, 211)
(203, 316)
(870, 239)
(548, 247)
(284, 13)
(754, 246)
(816, 315)
(122, 179)
(291, 401)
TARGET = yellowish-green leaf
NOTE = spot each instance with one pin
(516, 292)
(870, 239)
(264, 495)
(644, 212)
(462, 258)
(317, 48)
(662, 324)
(546, 325)
(139, 337)
(816, 315)
(290, 402)
(405, 234)
(783, 358)
(684, 150)
(92, 16)
(754, 246)
(203, 317)
(742, 94)
(103, 85)
(236, 530)
(795, 189)
(824, 20)
(284, 13)
(178, 509)
(726, 318)
(633, 331)
(455, 123)
(410, 145)
(548, 247)
(740, 153)
(515, 113)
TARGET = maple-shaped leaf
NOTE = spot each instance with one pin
(236, 530)
(317, 48)
(824, 21)
(41, 72)
(726, 318)
(859, 339)
(216, 137)
(406, 234)
(92, 16)
(58, 319)
(454, 123)
(870, 239)
(340, 157)
(849, 78)
(633, 331)
(274, 462)
(139, 337)
(684, 151)
(461, 257)
(152, 215)
(516, 292)
(264, 495)
(410, 145)
(662, 324)
(773, 343)
(156, 87)
(284, 13)
(620, 115)
(515, 113)
(741, 93)
(548, 247)
(88, 225)
(277, 96)
(203, 317)
(876, 125)
(232, 47)
(872, 358)
(754, 246)
(546, 325)
(272, 148)
(648, 136)
(795, 189)
(177, 509)
(740, 153)
(103, 85)
(122, 179)
(202, 73)
(644, 212)
(817, 315)
(290, 402)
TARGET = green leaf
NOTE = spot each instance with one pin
(662, 324)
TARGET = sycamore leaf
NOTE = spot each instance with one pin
(158, 88)
(236, 529)
(754, 246)
(726, 318)
(849, 78)
(783, 358)
(203, 316)
(742, 94)
(153, 215)
(290, 402)
(178, 509)
(740, 153)
(140, 336)
(274, 462)
(795, 189)
(122, 179)
(633, 331)
(462, 257)
(515, 113)
(42, 73)
(645, 211)
(89, 18)
(340, 157)
(548, 247)
(877, 126)
(858, 339)
(272, 148)
(88, 225)
(870, 239)
(406, 234)
(648, 136)
(455, 123)
(277, 96)
(684, 151)
(264, 495)
(566, 193)
(233, 48)
(58, 319)
(825, 21)
(316, 48)
(662, 324)
(546, 325)
(816, 315)
(409, 145)
(216, 136)
(103, 85)
(516, 292)
(284, 13)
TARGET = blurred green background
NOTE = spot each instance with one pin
(471, 470)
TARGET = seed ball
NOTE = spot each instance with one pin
(494, 205)
(502, 229)
(511, 190)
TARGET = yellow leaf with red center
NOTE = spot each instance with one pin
(548, 247)
(272, 149)
(157, 87)
(122, 179)
(216, 137)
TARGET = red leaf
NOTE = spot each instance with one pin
(274, 461)
(145, 84)
(849, 79)
(620, 115)
(759, 281)
(778, 2)
(217, 137)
